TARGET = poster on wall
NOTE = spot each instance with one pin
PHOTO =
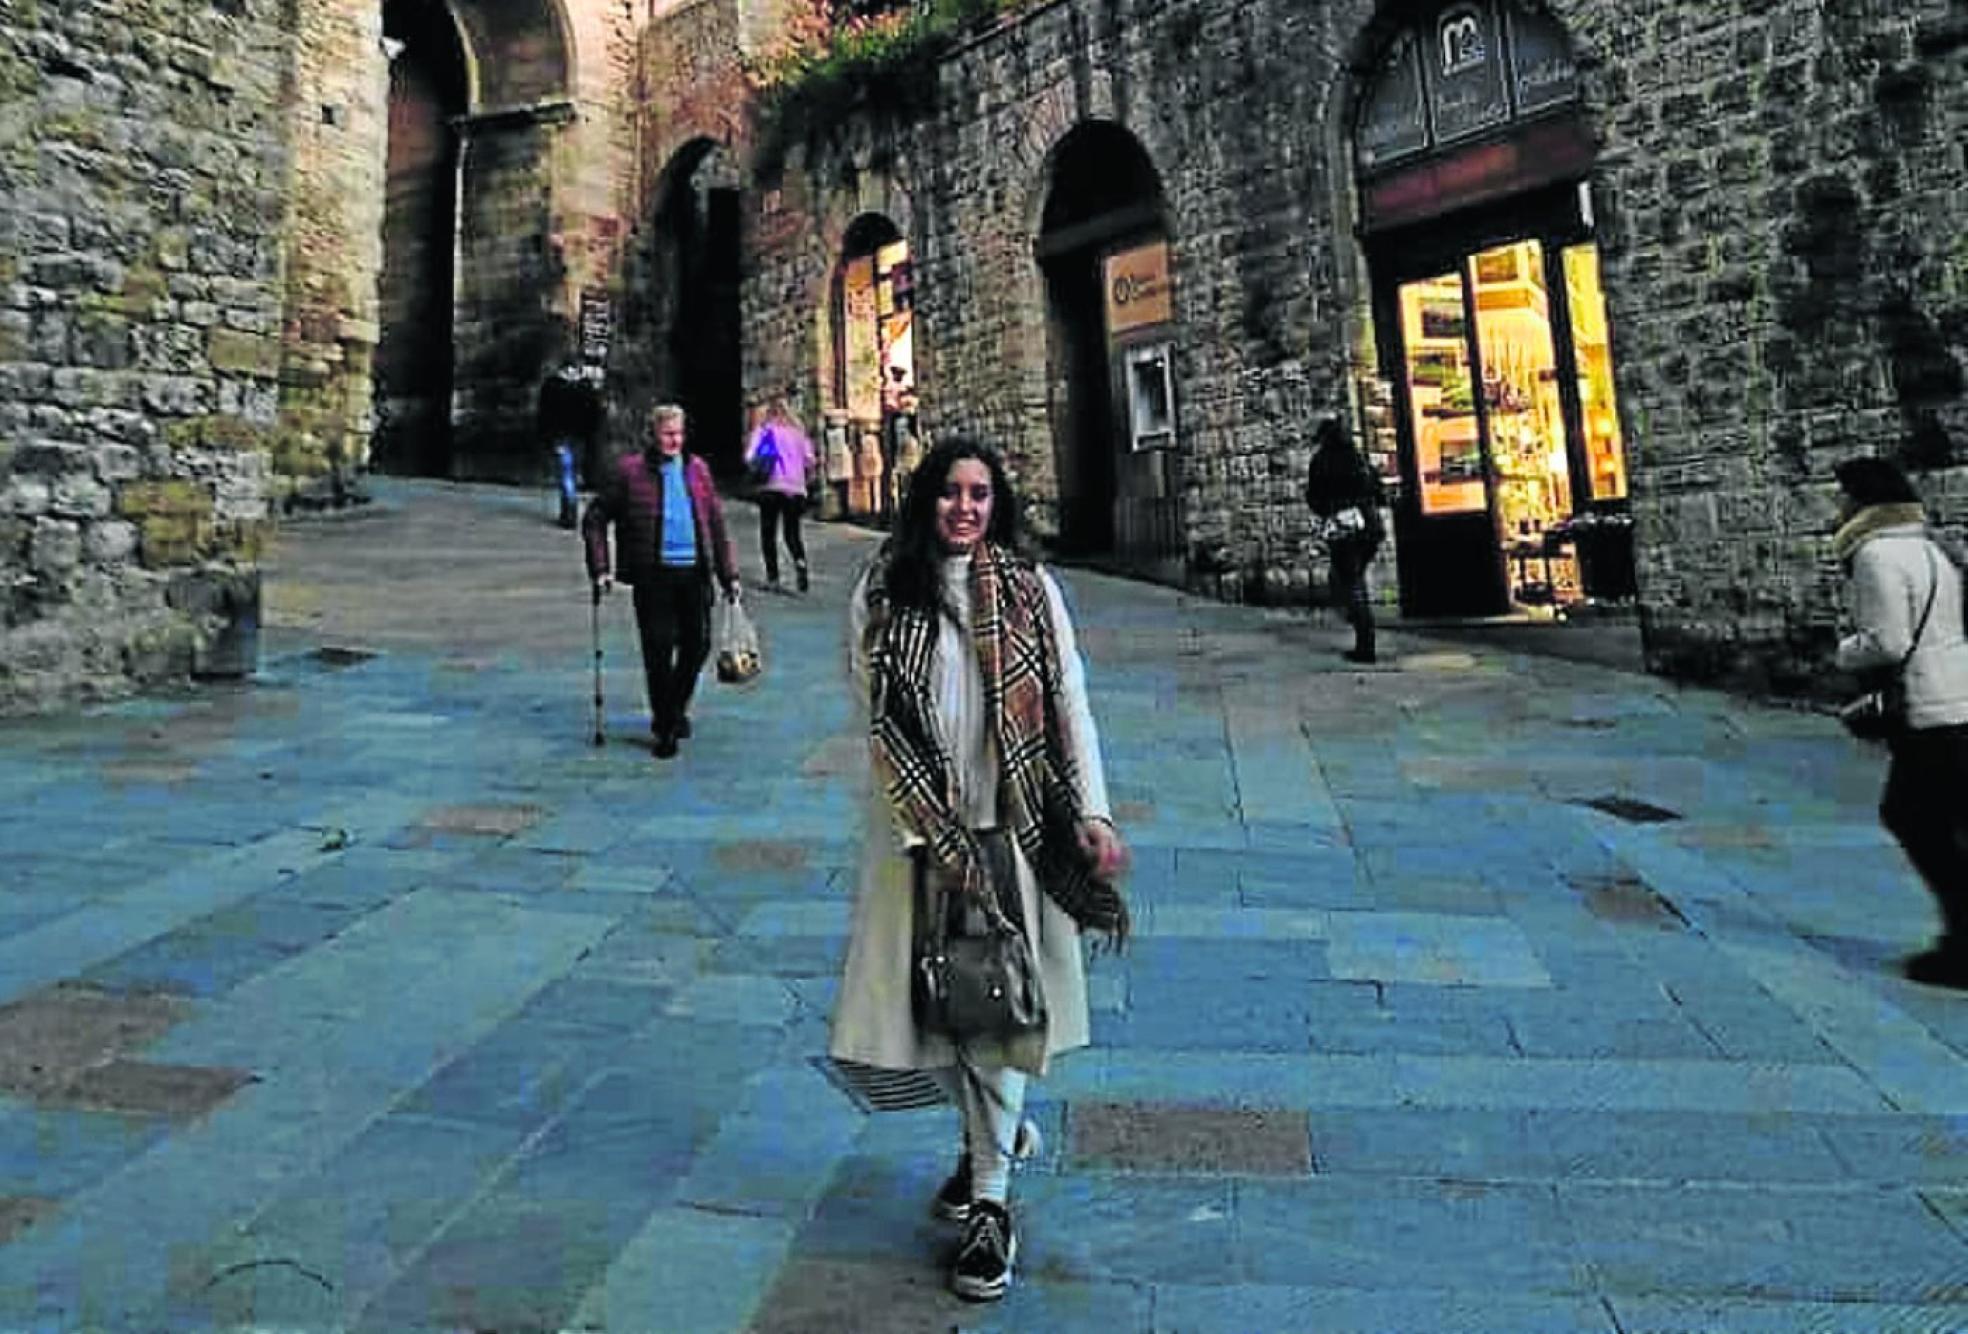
(597, 326)
(1139, 293)
(861, 339)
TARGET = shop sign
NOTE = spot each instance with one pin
(1139, 293)
(1394, 117)
(1542, 71)
(597, 326)
(1466, 74)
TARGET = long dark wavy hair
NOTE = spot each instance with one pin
(915, 554)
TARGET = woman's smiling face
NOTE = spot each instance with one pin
(963, 510)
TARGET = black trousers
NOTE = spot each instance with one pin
(673, 619)
(1925, 809)
(1350, 559)
(773, 507)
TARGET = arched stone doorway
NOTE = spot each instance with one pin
(869, 432)
(681, 305)
(510, 325)
(1472, 159)
(413, 376)
(1104, 250)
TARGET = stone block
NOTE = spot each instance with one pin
(25, 497)
(110, 542)
(118, 463)
(169, 497)
(79, 496)
(55, 546)
(87, 387)
(242, 353)
(175, 395)
(174, 539)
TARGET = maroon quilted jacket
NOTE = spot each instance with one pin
(631, 498)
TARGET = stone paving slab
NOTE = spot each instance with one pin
(533, 1022)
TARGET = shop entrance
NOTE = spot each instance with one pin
(1104, 250)
(1491, 320)
(871, 432)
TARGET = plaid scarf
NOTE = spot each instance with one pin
(1038, 790)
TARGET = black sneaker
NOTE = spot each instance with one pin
(982, 1271)
(799, 576)
(952, 1200)
(666, 745)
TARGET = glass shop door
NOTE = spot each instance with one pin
(1513, 471)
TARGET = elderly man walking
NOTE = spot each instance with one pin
(670, 543)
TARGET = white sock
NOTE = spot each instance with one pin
(993, 1103)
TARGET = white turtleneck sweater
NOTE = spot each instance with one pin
(959, 693)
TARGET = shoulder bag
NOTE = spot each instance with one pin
(973, 975)
(1880, 713)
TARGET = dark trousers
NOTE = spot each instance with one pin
(773, 506)
(673, 619)
(1350, 559)
(1924, 808)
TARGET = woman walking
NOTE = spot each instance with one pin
(781, 454)
(989, 785)
(1907, 615)
(1346, 494)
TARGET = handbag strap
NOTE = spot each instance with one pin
(1933, 591)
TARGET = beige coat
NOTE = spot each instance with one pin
(872, 1020)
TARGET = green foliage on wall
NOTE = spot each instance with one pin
(881, 66)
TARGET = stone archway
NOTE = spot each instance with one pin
(680, 305)
(871, 386)
(511, 327)
(429, 89)
(1103, 249)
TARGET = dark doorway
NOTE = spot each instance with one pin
(696, 305)
(413, 371)
(1119, 488)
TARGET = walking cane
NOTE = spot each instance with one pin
(594, 618)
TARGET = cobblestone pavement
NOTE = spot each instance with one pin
(1475, 993)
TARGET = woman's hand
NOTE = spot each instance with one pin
(1102, 844)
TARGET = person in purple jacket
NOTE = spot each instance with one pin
(670, 543)
(782, 460)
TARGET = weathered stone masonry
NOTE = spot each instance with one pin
(1777, 196)
(140, 296)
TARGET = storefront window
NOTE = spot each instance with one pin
(1441, 396)
(1605, 452)
(1526, 419)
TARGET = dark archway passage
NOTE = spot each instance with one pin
(681, 307)
(414, 371)
(1118, 494)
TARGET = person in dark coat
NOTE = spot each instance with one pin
(670, 543)
(1344, 491)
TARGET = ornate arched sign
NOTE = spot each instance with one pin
(1462, 71)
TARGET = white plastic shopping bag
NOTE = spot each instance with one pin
(737, 644)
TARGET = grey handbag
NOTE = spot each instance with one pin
(973, 975)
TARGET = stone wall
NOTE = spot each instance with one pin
(1777, 196)
(338, 124)
(141, 286)
(1788, 277)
